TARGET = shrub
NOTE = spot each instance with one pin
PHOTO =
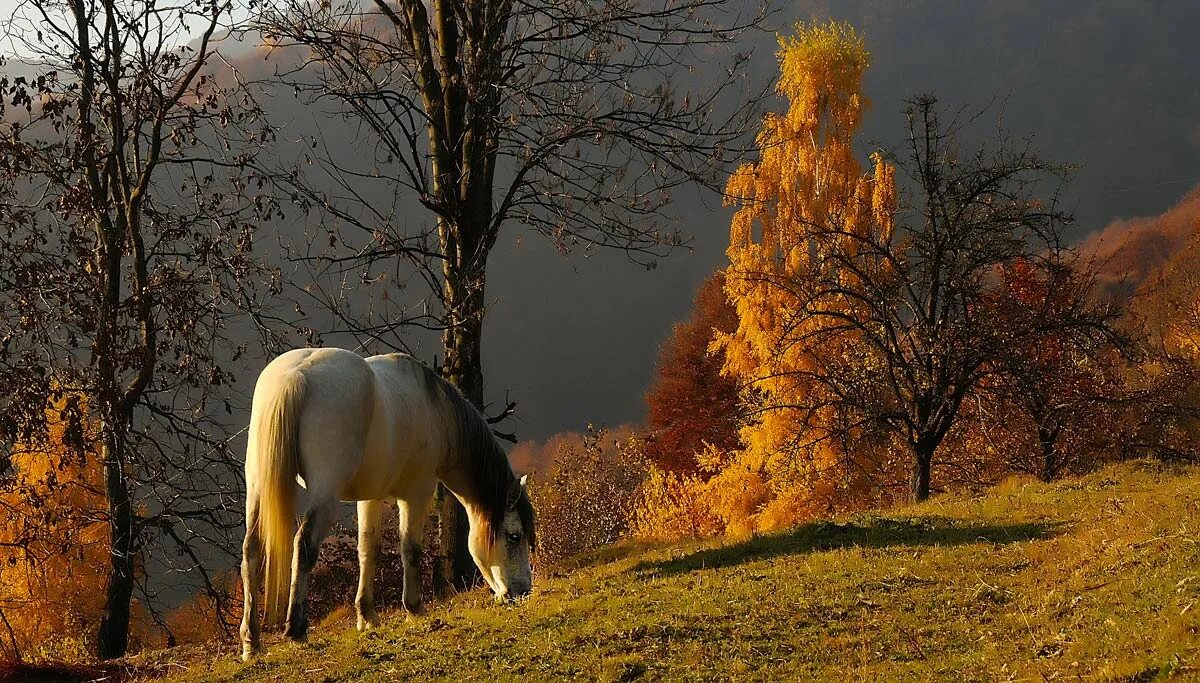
(588, 499)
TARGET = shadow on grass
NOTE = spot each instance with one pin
(616, 552)
(54, 672)
(874, 533)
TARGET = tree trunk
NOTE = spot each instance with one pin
(1050, 462)
(462, 343)
(113, 637)
(454, 570)
(918, 483)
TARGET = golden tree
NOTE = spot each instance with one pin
(806, 181)
(53, 539)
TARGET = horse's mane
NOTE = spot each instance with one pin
(483, 461)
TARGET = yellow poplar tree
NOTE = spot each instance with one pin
(806, 182)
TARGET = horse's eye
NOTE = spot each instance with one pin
(514, 538)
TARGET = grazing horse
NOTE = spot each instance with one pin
(369, 430)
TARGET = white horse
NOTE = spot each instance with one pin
(368, 430)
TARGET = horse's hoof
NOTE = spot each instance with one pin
(414, 611)
(251, 652)
(296, 635)
(368, 622)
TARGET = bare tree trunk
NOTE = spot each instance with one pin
(462, 343)
(1050, 461)
(113, 635)
(463, 340)
(922, 463)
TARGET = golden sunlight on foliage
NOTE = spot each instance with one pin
(791, 467)
(53, 540)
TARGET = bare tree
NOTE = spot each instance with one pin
(121, 262)
(574, 119)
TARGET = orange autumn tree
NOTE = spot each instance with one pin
(807, 180)
(1064, 382)
(691, 404)
(793, 463)
(53, 539)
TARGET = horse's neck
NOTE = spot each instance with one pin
(473, 466)
(473, 480)
(479, 481)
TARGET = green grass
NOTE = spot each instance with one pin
(1093, 579)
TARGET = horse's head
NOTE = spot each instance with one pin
(503, 545)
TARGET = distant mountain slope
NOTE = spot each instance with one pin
(1131, 252)
(1089, 579)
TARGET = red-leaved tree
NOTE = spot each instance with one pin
(691, 403)
(1063, 377)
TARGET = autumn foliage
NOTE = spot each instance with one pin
(587, 499)
(692, 405)
(1061, 386)
(1133, 253)
(790, 466)
(886, 327)
(54, 552)
(54, 540)
(887, 347)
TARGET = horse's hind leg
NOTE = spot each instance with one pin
(413, 513)
(313, 529)
(252, 579)
(370, 513)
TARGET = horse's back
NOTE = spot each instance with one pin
(408, 437)
(335, 415)
(369, 428)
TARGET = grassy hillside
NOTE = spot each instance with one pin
(1097, 578)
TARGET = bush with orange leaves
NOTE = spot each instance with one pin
(737, 496)
(691, 405)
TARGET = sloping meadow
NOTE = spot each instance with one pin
(1095, 578)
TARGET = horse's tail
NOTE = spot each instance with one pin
(274, 462)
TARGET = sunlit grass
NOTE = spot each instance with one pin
(1096, 578)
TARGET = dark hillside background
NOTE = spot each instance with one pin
(1110, 87)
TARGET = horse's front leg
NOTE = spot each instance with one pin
(312, 531)
(370, 513)
(413, 514)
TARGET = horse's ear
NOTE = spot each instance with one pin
(514, 493)
(525, 481)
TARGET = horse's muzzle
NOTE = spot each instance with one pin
(517, 592)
